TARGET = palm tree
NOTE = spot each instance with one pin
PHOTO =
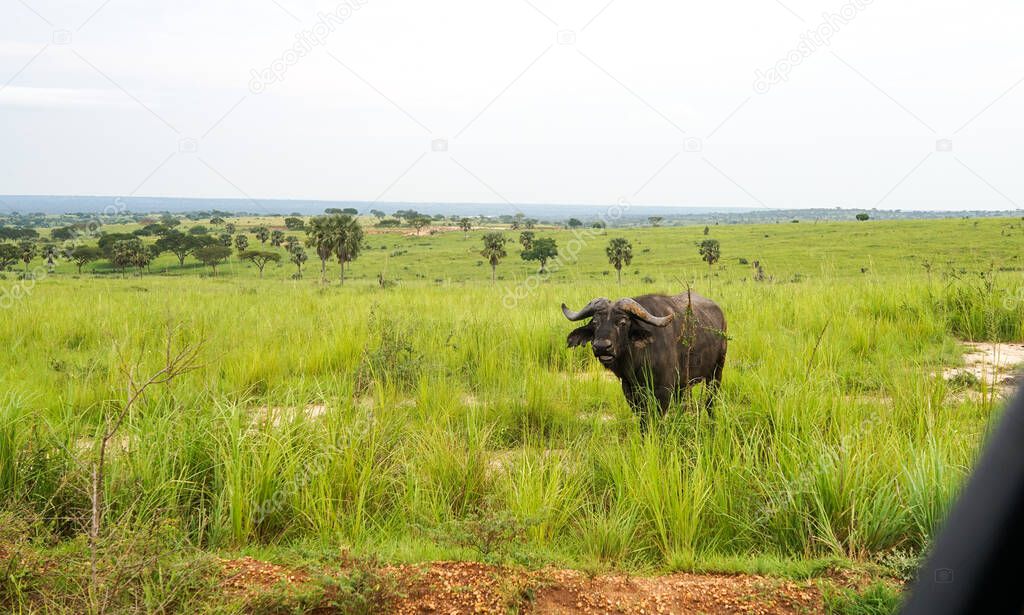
(263, 234)
(494, 251)
(348, 239)
(26, 251)
(620, 252)
(299, 257)
(320, 237)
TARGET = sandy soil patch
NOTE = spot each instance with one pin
(996, 365)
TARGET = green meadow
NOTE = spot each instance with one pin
(440, 416)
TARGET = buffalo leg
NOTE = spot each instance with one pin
(712, 385)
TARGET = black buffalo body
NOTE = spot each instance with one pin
(655, 344)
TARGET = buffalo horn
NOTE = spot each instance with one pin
(588, 310)
(637, 310)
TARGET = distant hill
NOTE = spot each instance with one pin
(614, 213)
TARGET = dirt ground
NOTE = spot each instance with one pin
(451, 588)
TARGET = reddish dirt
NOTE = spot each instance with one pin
(248, 575)
(449, 588)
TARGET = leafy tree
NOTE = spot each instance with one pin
(225, 239)
(494, 251)
(529, 223)
(526, 238)
(83, 255)
(710, 251)
(541, 250)
(26, 252)
(241, 242)
(299, 258)
(107, 240)
(389, 223)
(466, 225)
(862, 217)
(212, 255)
(216, 221)
(169, 221)
(574, 223)
(517, 221)
(598, 224)
(198, 230)
(707, 230)
(151, 229)
(229, 228)
(293, 223)
(16, 234)
(9, 255)
(655, 220)
(263, 234)
(619, 252)
(129, 253)
(64, 233)
(260, 258)
(352, 211)
(376, 213)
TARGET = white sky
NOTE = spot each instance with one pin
(652, 101)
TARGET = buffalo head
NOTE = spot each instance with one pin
(614, 328)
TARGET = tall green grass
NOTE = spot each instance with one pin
(441, 404)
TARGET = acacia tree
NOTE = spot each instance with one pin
(620, 252)
(83, 255)
(710, 251)
(419, 222)
(655, 220)
(541, 250)
(260, 258)
(181, 245)
(494, 251)
(212, 255)
(262, 233)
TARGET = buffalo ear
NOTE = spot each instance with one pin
(640, 337)
(580, 336)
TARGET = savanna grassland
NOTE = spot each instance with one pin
(438, 416)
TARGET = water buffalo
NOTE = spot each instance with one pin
(655, 344)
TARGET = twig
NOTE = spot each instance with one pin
(821, 334)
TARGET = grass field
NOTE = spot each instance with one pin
(438, 419)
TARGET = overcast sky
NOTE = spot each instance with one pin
(798, 103)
